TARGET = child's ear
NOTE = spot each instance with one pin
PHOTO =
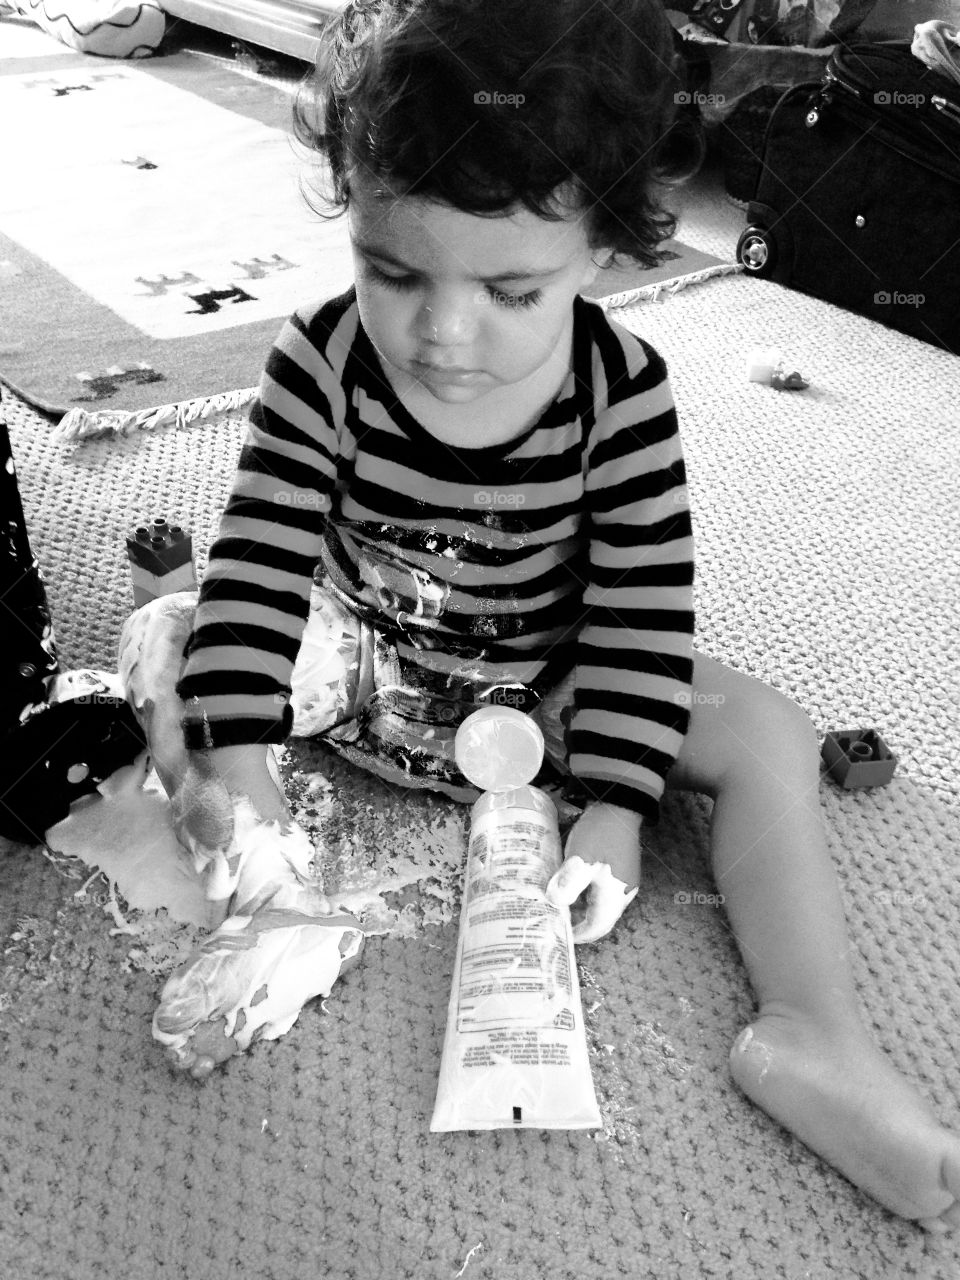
(599, 259)
(588, 277)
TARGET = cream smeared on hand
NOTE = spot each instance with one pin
(607, 896)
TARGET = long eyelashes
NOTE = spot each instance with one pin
(516, 301)
(500, 297)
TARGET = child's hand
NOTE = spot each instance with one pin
(214, 781)
(602, 858)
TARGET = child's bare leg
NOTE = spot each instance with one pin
(807, 1058)
(279, 943)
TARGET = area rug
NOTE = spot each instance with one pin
(153, 235)
(825, 523)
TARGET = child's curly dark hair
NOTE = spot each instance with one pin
(490, 104)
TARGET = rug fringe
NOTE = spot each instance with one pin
(83, 424)
(666, 288)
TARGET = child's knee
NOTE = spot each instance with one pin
(158, 620)
(151, 647)
(768, 729)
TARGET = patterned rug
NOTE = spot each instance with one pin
(825, 527)
(153, 233)
(153, 236)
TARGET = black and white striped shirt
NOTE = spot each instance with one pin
(569, 546)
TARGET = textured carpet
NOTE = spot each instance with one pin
(826, 527)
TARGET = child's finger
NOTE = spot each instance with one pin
(607, 900)
(567, 884)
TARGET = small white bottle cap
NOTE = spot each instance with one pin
(497, 748)
(762, 363)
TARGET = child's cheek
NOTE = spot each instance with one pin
(527, 337)
(388, 318)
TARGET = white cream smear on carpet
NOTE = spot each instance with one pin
(393, 859)
(125, 831)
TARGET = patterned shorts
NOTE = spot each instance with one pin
(396, 717)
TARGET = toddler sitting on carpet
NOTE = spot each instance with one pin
(463, 483)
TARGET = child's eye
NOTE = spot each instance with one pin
(516, 301)
(390, 282)
(501, 297)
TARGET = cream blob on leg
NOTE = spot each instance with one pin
(283, 944)
(152, 642)
(280, 942)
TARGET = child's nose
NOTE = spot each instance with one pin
(447, 320)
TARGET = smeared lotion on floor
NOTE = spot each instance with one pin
(515, 1052)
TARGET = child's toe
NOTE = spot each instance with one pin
(949, 1219)
(202, 1049)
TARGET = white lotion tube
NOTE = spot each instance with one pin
(515, 1052)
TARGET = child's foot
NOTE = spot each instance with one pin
(838, 1093)
(248, 981)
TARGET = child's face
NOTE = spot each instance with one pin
(463, 305)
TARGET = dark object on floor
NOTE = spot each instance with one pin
(29, 662)
(161, 561)
(49, 755)
(858, 198)
(59, 755)
(858, 758)
(794, 381)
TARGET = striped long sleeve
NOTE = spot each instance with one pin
(567, 547)
(635, 651)
(255, 595)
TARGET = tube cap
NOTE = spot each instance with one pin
(497, 748)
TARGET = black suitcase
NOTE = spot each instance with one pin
(858, 197)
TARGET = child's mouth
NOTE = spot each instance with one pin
(446, 375)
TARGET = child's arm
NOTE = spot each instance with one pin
(602, 858)
(634, 662)
(255, 596)
(635, 650)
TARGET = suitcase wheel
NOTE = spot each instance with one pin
(756, 251)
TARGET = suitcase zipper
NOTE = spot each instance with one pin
(825, 95)
(946, 107)
(891, 134)
(950, 110)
